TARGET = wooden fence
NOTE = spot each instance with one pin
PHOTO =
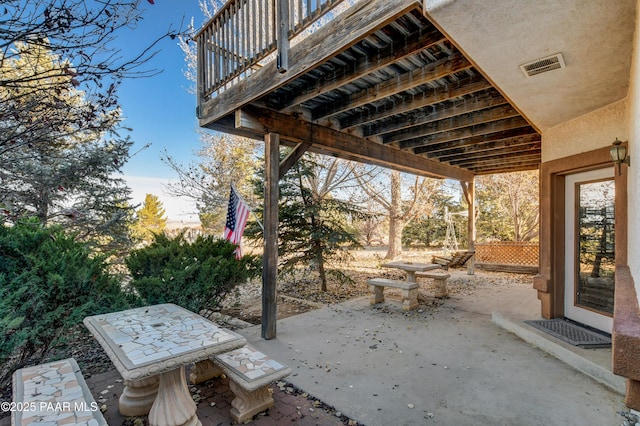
(510, 256)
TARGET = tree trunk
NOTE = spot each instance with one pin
(320, 264)
(396, 225)
(396, 221)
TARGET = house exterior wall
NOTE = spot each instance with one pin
(633, 189)
(626, 323)
(591, 131)
(585, 145)
(581, 144)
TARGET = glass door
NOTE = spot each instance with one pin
(589, 248)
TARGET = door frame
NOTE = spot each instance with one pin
(549, 282)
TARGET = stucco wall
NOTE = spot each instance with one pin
(588, 132)
(634, 171)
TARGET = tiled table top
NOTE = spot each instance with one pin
(146, 341)
(54, 394)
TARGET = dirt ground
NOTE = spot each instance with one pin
(301, 293)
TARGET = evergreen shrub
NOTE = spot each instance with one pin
(48, 283)
(196, 276)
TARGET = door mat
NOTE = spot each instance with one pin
(572, 333)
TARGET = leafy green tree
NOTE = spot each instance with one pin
(429, 228)
(48, 283)
(401, 197)
(60, 146)
(151, 219)
(508, 205)
(196, 276)
(315, 226)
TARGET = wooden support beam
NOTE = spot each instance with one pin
(352, 147)
(247, 122)
(270, 256)
(297, 152)
(468, 188)
(356, 23)
(403, 82)
(412, 44)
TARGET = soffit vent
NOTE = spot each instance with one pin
(541, 65)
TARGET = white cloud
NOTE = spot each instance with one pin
(178, 209)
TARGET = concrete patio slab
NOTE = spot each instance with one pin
(448, 365)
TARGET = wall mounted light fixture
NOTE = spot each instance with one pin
(619, 155)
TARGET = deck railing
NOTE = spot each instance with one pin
(243, 34)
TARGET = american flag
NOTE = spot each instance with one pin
(237, 214)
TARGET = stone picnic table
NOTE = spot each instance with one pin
(150, 347)
(410, 268)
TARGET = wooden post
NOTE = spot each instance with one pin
(282, 35)
(270, 256)
(468, 188)
(201, 83)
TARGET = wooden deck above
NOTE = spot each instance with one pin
(379, 84)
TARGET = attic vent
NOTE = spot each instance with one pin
(541, 65)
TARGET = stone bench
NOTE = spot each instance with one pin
(439, 279)
(409, 291)
(250, 372)
(54, 394)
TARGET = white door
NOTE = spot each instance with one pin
(589, 248)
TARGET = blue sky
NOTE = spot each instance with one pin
(159, 109)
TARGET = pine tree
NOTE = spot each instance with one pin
(315, 227)
(62, 152)
(79, 36)
(151, 219)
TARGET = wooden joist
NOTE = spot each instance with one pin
(480, 149)
(426, 99)
(454, 135)
(391, 87)
(455, 109)
(406, 47)
(484, 116)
